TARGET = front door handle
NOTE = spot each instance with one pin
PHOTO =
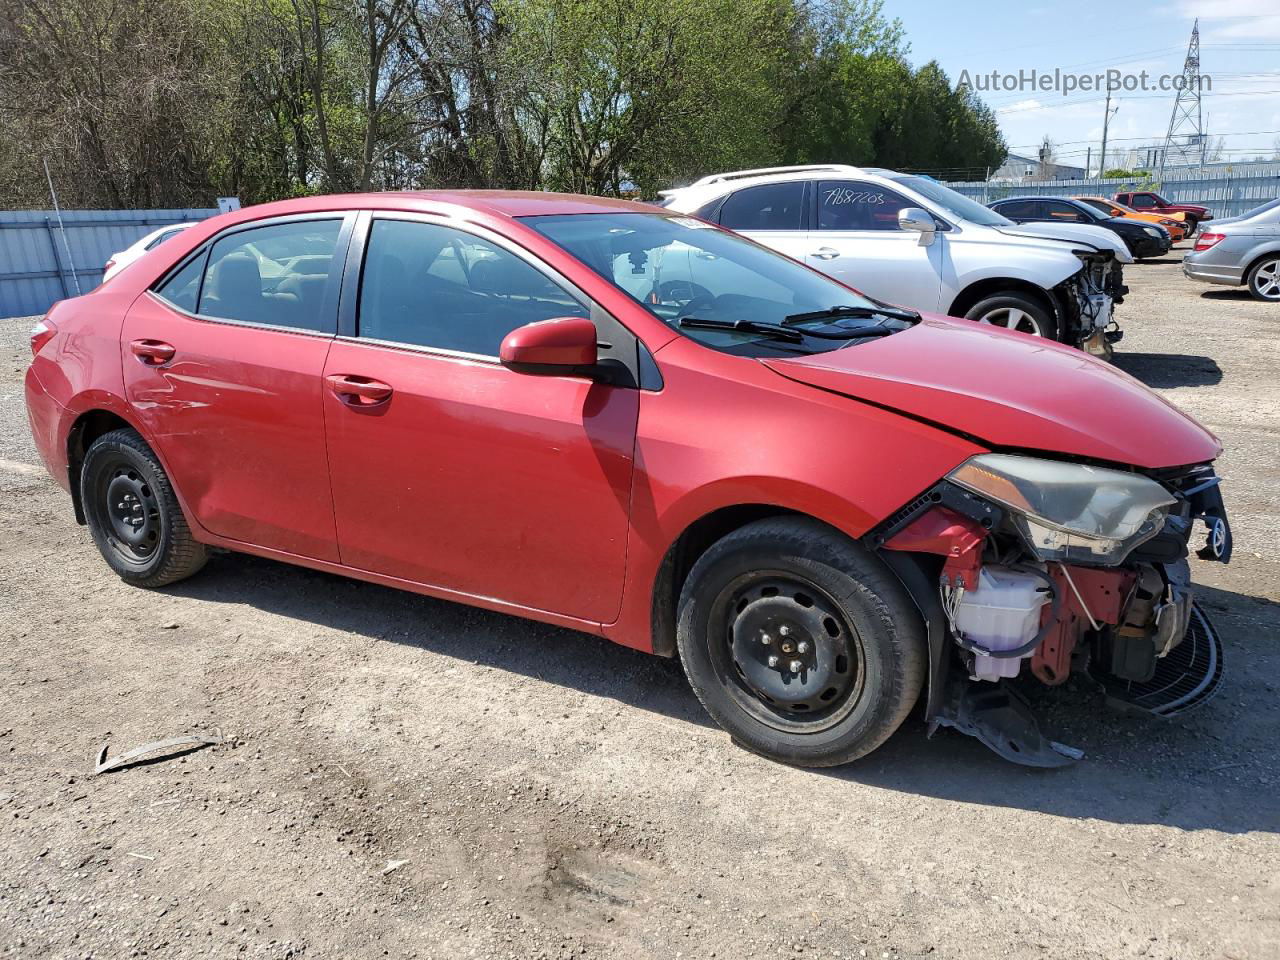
(359, 391)
(826, 253)
(154, 353)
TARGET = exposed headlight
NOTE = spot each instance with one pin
(1153, 232)
(1068, 511)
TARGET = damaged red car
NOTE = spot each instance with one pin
(632, 423)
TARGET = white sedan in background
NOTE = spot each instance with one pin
(153, 239)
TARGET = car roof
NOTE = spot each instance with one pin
(508, 203)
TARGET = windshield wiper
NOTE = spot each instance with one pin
(779, 332)
(774, 330)
(881, 310)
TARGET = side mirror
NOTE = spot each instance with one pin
(556, 347)
(921, 221)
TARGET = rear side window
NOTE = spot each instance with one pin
(854, 205)
(273, 276)
(771, 206)
(183, 288)
(1016, 208)
(429, 285)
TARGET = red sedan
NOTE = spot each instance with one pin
(606, 416)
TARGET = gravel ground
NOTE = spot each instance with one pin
(410, 778)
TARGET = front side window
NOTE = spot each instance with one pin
(686, 272)
(1063, 212)
(771, 206)
(274, 275)
(854, 205)
(429, 285)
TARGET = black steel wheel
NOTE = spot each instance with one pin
(800, 642)
(133, 514)
(790, 655)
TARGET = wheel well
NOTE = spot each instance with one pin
(89, 426)
(1257, 260)
(684, 553)
(975, 292)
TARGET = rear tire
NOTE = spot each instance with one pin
(1015, 311)
(1264, 279)
(800, 642)
(133, 513)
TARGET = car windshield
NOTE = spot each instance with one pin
(1088, 212)
(957, 204)
(700, 279)
(1161, 200)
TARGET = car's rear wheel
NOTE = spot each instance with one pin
(1015, 311)
(800, 642)
(133, 513)
(1264, 279)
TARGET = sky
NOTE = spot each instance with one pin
(1239, 51)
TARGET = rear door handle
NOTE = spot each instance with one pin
(359, 391)
(154, 353)
(826, 253)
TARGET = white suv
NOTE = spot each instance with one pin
(908, 240)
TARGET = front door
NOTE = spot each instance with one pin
(858, 241)
(450, 470)
(223, 362)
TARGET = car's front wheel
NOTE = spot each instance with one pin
(133, 513)
(1015, 311)
(1264, 279)
(800, 642)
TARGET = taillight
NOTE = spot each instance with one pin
(1207, 240)
(42, 333)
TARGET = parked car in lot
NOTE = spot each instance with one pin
(118, 261)
(911, 241)
(631, 422)
(1149, 202)
(1241, 250)
(1143, 239)
(1175, 224)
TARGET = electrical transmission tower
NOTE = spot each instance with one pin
(1185, 142)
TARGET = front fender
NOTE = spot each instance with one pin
(727, 432)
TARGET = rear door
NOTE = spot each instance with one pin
(223, 362)
(858, 241)
(451, 470)
(774, 214)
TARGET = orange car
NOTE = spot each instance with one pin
(1175, 223)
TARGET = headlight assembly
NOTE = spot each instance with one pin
(1069, 512)
(1152, 232)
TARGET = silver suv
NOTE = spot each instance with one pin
(909, 240)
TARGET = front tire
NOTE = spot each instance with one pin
(1264, 280)
(800, 642)
(133, 513)
(1015, 311)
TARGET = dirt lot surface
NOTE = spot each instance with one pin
(410, 778)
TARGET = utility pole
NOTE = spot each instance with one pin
(1186, 120)
(1106, 122)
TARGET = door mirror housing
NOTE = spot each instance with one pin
(565, 345)
(921, 221)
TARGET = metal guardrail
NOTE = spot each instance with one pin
(41, 263)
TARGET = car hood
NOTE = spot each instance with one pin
(1076, 234)
(1010, 391)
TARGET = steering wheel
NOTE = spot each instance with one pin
(685, 290)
